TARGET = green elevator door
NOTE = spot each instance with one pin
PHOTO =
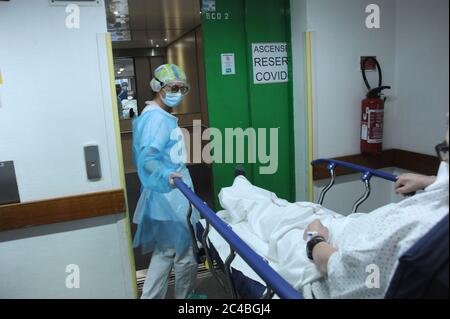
(238, 100)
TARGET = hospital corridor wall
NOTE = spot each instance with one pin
(412, 48)
(55, 99)
(422, 73)
(338, 39)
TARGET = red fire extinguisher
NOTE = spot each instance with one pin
(372, 119)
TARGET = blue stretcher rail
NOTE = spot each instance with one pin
(280, 286)
(367, 172)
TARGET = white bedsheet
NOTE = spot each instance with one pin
(274, 229)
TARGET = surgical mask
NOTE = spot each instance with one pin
(172, 100)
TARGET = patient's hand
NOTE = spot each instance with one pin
(322, 251)
(410, 183)
(318, 227)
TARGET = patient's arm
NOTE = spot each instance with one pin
(410, 183)
(322, 251)
(321, 254)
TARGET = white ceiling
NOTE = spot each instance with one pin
(151, 23)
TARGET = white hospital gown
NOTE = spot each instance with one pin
(376, 241)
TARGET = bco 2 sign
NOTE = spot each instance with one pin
(270, 63)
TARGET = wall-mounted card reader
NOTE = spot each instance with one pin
(9, 192)
(92, 157)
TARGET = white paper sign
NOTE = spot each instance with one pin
(270, 63)
(228, 64)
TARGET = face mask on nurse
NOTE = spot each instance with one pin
(172, 100)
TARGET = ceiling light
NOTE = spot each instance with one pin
(166, 39)
(121, 70)
(116, 13)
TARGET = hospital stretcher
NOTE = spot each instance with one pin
(422, 271)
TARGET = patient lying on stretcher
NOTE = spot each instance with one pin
(355, 246)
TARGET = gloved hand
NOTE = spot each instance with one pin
(410, 183)
(172, 176)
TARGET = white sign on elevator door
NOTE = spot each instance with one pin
(228, 64)
(270, 63)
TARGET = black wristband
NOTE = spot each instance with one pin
(312, 244)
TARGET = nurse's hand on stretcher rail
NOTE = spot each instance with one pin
(172, 176)
(411, 183)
